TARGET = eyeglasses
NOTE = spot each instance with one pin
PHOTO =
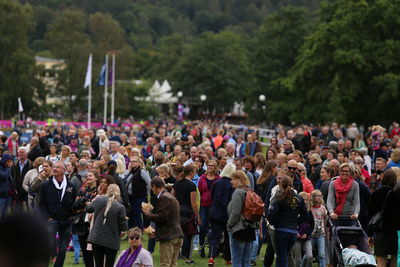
(346, 171)
(292, 168)
(134, 237)
(359, 163)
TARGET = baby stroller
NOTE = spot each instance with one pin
(345, 237)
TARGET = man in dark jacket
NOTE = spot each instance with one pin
(57, 195)
(18, 172)
(167, 217)
(6, 184)
(35, 150)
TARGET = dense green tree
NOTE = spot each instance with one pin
(17, 65)
(348, 69)
(215, 65)
(67, 40)
(274, 52)
(105, 32)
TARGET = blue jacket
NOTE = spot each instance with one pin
(284, 215)
(5, 177)
(221, 194)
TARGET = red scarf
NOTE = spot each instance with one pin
(341, 189)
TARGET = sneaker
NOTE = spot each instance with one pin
(228, 263)
(211, 262)
(253, 263)
(191, 262)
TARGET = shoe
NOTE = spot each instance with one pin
(253, 263)
(191, 262)
(228, 263)
(202, 253)
(211, 262)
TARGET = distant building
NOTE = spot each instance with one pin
(49, 77)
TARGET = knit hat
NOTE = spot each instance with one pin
(5, 158)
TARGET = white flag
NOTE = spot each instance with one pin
(88, 80)
(20, 107)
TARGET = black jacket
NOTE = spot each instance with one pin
(35, 153)
(50, 204)
(391, 223)
(18, 178)
(284, 215)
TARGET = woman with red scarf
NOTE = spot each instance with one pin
(343, 196)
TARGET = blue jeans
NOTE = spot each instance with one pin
(77, 247)
(5, 203)
(64, 230)
(135, 215)
(255, 245)
(284, 242)
(320, 242)
(205, 227)
(240, 252)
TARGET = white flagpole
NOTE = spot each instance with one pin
(105, 93)
(113, 88)
(89, 82)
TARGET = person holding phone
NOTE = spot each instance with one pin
(45, 171)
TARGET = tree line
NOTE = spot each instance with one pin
(314, 61)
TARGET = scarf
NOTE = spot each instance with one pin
(62, 187)
(341, 189)
(124, 261)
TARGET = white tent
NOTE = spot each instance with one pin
(161, 94)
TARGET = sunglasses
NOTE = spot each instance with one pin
(134, 237)
(292, 168)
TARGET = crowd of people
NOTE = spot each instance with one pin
(186, 186)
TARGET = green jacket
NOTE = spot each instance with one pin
(236, 221)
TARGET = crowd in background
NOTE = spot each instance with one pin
(90, 185)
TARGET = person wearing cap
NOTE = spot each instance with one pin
(137, 182)
(6, 183)
(135, 255)
(103, 141)
(111, 170)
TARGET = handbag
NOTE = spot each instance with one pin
(189, 225)
(376, 222)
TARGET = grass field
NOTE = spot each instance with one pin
(219, 261)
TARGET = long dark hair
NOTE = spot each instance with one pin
(267, 171)
(285, 190)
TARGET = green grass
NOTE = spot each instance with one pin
(219, 261)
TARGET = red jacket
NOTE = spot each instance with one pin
(205, 192)
(307, 185)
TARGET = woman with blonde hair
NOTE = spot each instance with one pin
(109, 223)
(394, 158)
(241, 233)
(64, 155)
(206, 182)
(320, 215)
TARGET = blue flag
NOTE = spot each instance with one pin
(102, 78)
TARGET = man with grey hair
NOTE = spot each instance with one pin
(230, 152)
(78, 178)
(117, 157)
(18, 172)
(57, 196)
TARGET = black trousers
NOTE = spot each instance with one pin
(99, 252)
(87, 254)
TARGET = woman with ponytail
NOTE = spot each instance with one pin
(186, 193)
(286, 212)
(109, 223)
